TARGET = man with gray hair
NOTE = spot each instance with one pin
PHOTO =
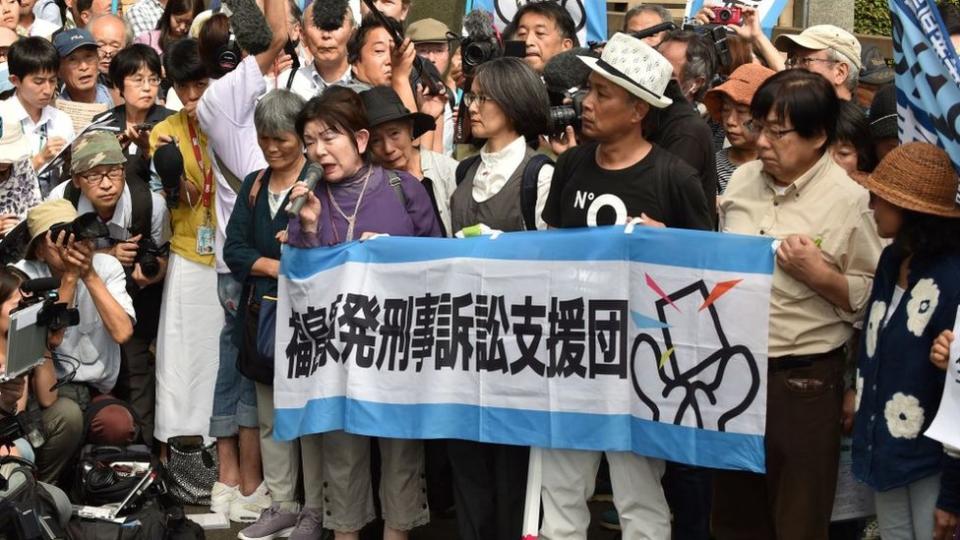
(112, 33)
(828, 51)
(645, 16)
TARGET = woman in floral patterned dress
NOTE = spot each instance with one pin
(916, 291)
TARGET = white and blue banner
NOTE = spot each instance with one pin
(590, 16)
(653, 342)
(927, 77)
(769, 10)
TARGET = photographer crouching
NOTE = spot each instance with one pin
(88, 359)
(137, 220)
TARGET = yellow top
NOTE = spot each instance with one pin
(188, 218)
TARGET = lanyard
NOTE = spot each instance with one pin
(207, 173)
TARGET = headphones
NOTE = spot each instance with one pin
(228, 55)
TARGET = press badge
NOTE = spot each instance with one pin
(205, 238)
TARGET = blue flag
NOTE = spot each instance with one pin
(927, 77)
(590, 16)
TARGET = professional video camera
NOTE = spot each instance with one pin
(483, 43)
(566, 78)
(54, 315)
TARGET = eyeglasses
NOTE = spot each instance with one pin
(94, 178)
(805, 62)
(470, 98)
(138, 81)
(772, 134)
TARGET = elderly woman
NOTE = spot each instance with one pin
(393, 130)
(354, 199)
(253, 254)
(826, 256)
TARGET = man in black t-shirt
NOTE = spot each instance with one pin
(620, 175)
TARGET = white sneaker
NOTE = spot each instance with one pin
(248, 509)
(222, 496)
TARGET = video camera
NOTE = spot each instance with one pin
(54, 315)
(482, 43)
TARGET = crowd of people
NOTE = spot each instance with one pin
(206, 133)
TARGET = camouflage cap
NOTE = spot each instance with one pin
(94, 149)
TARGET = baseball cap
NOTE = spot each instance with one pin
(428, 31)
(70, 40)
(824, 36)
(94, 149)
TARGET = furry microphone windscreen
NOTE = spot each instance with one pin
(328, 14)
(478, 23)
(249, 26)
(565, 70)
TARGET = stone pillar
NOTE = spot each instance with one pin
(836, 12)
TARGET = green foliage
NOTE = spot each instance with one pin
(871, 17)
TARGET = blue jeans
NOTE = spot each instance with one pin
(234, 397)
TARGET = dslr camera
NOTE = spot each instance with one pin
(567, 114)
(147, 253)
(85, 227)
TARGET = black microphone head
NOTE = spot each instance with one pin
(329, 14)
(168, 162)
(249, 26)
(478, 23)
(565, 71)
(40, 285)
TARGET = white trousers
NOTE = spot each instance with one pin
(569, 478)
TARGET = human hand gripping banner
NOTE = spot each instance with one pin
(653, 341)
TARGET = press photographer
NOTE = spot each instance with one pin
(89, 356)
(138, 224)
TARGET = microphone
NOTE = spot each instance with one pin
(478, 24)
(249, 26)
(314, 175)
(169, 165)
(34, 286)
(565, 71)
(328, 14)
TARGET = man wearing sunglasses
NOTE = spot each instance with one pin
(828, 51)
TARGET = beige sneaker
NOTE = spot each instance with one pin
(222, 496)
(248, 509)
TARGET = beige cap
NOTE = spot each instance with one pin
(13, 143)
(824, 36)
(47, 214)
(428, 31)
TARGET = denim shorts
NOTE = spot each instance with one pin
(234, 397)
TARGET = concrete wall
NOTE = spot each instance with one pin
(448, 11)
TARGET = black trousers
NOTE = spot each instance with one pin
(137, 380)
(489, 487)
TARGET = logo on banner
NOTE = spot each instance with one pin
(506, 9)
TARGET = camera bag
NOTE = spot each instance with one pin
(103, 475)
(27, 510)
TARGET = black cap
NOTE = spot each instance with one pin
(883, 113)
(383, 105)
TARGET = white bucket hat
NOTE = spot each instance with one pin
(634, 66)
(13, 143)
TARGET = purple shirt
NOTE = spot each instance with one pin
(381, 210)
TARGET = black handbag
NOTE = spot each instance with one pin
(106, 474)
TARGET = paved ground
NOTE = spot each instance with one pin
(440, 528)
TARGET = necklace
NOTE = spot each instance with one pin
(351, 220)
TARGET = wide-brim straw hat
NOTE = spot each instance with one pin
(916, 176)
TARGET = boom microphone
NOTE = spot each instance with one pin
(168, 162)
(250, 26)
(328, 14)
(565, 71)
(478, 24)
(656, 29)
(314, 175)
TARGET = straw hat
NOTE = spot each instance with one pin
(916, 176)
(634, 66)
(13, 143)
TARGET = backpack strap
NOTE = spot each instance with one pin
(397, 185)
(528, 189)
(255, 189)
(228, 175)
(141, 203)
(72, 193)
(464, 167)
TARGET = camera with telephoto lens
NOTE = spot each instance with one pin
(569, 114)
(147, 253)
(716, 34)
(727, 15)
(85, 227)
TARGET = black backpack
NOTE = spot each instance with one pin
(159, 518)
(528, 185)
(101, 476)
(27, 510)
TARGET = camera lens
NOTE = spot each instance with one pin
(561, 117)
(724, 15)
